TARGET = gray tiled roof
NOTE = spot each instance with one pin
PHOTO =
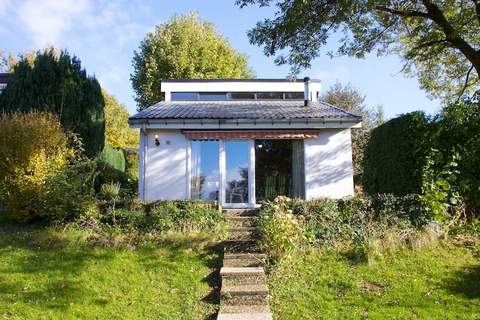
(254, 110)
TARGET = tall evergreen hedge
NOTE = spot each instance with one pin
(57, 83)
(395, 155)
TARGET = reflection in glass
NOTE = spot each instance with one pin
(205, 174)
(278, 169)
(236, 153)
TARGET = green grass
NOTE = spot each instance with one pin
(46, 273)
(441, 282)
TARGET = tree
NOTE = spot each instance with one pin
(350, 99)
(186, 47)
(437, 40)
(8, 61)
(117, 132)
(56, 83)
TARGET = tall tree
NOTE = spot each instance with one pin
(117, 132)
(56, 83)
(438, 40)
(186, 47)
(350, 99)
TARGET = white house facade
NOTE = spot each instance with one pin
(239, 142)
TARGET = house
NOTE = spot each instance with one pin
(242, 141)
(3, 80)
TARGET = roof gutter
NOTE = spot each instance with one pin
(313, 123)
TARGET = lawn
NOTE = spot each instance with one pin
(46, 273)
(441, 282)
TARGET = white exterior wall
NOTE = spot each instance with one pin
(239, 86)
(165, 166)
(328, 165)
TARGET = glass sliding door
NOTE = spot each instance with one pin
(237, 159)
(205, 177)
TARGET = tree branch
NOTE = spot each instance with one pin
(465, 86)
(430, 43)
(452, 35)
(408, 13)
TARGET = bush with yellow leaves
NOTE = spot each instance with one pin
(33, 148)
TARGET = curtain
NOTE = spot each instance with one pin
(196, 170)
(298, 169)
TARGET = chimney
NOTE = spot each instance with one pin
(306, 92)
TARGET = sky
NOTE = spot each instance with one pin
(104, 35)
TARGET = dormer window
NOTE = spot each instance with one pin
(222, 96)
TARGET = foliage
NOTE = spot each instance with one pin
(437, 40)
(436, 281)
(186, 47)
(395, 155)
(56, 83)
(184, 216)
(70, 194)
(131, 163)
(111, 192)
(349, 222)
(113, 157)
(455, 135)
(33, 148)
(350, 99)
(280, 230)
(117, 132)
(439, 188)
(439, 156)
(158, 218)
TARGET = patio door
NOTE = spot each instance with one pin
(237, 173)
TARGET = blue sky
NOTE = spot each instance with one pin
(104, 34)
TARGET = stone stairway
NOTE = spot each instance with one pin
(244, 293)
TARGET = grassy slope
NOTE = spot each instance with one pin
(47, 274)
(432, 283)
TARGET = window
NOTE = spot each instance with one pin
(184, 96)
(205, 181)
(270, 95)
(294, 95)
(221, 96)
(242, 95)
(212, 96)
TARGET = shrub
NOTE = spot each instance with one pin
(395, 155)
(113, 157)
(184, 216)
(131, 163)
(164, 216)
(279, 229)
(70, 194)
(33, 148)
(350, 222)
(438, 157)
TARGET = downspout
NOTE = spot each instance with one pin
(144, 159)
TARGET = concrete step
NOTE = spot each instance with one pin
(241, 246)
(242, 233)
(240, 212)
(245, 316)
(232, 276)
(244, 259)
(241, 221)
(253, 308)
(256, 294)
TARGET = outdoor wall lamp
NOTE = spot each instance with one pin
(157, 142)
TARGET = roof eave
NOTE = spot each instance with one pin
(317, 123)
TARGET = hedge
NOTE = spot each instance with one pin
(395, 155)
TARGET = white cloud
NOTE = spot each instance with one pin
(47, 21)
